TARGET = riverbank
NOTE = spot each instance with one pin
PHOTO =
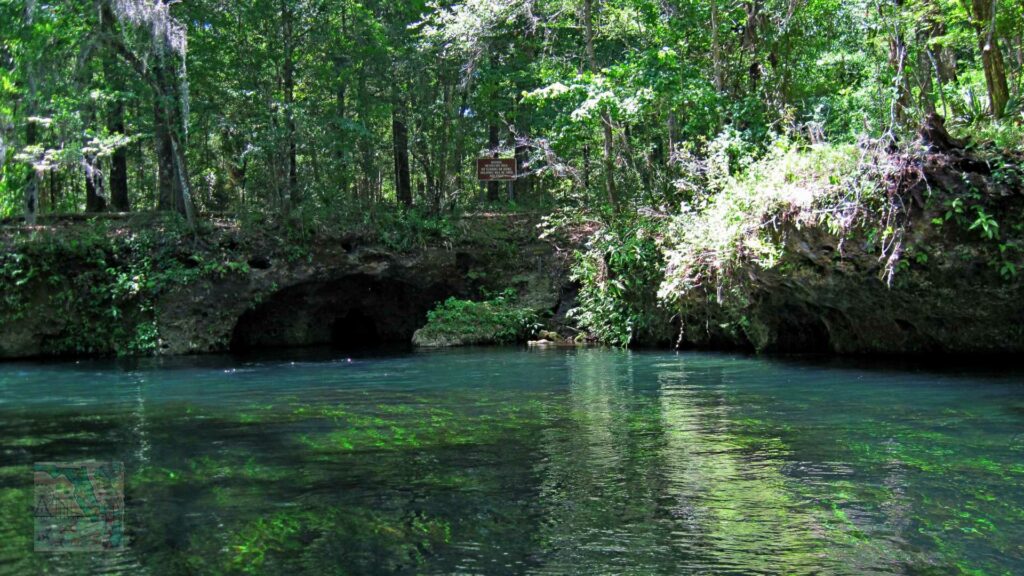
(148, 285)
(845, 250)
(835, 249)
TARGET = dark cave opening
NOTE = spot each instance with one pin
(355, 330)
(352, 312)
(802, 331)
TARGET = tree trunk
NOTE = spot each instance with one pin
(1019, 84)
(170, 115)
(32, 182)
(586, 166)
(521, 187)
(609, 160)
(606, 121)
(991, 55)
(366, 160)
(54, 191)
(294, 195)
(716, 47)
(95, 196)
(183, 199)
(750, 39)
(164, 158)
(446, 134)
(119, 161)
(94, 200)
(340, 144)
(941, 58)
(341, 63)
(928, 56)
(899, 61)
(458, 160)
(170, 130)
(400, 137)
(673, 137)
(493, 142)
(118, 187)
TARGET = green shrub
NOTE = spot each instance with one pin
(736, 223)
(619, 272)
(388, 226)
(499, 320)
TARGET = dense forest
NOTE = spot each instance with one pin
(667, 130)
(749, 298)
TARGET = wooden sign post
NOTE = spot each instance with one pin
(498, 170)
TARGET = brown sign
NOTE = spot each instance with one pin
(496, 169)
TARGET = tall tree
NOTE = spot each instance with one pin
(983, 14)
(606, 120)
(118, 181)
(292, 192)
(31, 130)
(161, 63)
(400, 139)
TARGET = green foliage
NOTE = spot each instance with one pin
(464, 79)
(100, 283)
(985, 224)
(498, 320)
(970, 215)
(410, 229)
(619, 272)
(692, 132)
(1007, 136)
(741, 209)
(457, 76)
(737, 222)
(387, 226)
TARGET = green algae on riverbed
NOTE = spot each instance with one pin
(504, 461)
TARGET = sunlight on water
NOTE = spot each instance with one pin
(507, 462)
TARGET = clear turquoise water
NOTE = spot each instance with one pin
(509, 462)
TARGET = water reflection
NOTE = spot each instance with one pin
(507, 462)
